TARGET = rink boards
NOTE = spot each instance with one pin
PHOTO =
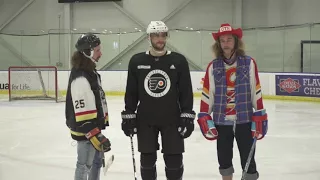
(288, 86)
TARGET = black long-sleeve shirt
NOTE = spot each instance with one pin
(158, 88)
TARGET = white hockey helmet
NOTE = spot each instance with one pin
(157, 27)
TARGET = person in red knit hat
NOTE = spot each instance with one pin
(231, 104)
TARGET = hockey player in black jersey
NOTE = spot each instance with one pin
(86, 108)
(159, 100)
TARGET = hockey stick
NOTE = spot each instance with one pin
(249, 158)
(109, 162)
(133, 159)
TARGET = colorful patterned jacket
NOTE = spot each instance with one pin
(246, 87)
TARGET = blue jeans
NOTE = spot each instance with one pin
(89, 162)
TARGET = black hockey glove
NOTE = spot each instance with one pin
(129, 123)
(186, 125)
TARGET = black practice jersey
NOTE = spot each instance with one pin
(158, 89)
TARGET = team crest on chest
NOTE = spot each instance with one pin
(157, 83)
(231, 76)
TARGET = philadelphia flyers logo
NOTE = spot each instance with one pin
(157, 83)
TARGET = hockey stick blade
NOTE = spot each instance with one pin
(108, 164)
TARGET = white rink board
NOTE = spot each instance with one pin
(115, 81)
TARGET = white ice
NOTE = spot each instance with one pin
(35, 144)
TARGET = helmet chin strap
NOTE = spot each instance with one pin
(90, 57)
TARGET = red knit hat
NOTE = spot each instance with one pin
(227, 29)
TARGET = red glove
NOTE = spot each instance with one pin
(259, 127)
(98, 140)
(207, 126)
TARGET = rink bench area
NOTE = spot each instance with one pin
(283, 86)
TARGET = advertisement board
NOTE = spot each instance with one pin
(298, 85)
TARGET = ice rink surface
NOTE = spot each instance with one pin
(35, 144)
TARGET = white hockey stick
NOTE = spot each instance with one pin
(109, 163)
(244, 173)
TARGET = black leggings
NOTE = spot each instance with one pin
(225, 146)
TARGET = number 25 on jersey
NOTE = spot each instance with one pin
(79, 103)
